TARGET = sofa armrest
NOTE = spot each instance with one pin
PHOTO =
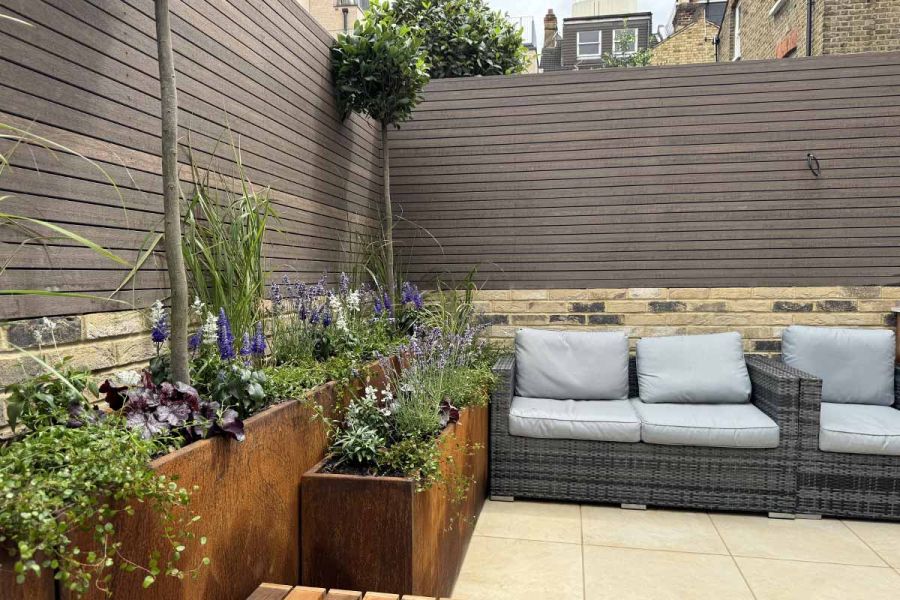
(809, 403)
(502, 394)
(776, 391)
(897, 387)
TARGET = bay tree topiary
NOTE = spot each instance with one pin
(380, 70)
(465, 38)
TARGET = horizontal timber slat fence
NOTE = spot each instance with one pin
(657, 177)
(85, 76)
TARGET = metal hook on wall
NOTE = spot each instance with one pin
(813, 163)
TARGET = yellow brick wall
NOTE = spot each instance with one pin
(690, 45)
(759, 314)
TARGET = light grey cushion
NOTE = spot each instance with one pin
(609, 421)
(855, 365)
(693, 369)
(717, 425)
(859, 429)
(571, 365)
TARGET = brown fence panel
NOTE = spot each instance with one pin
(84, 75)
(655, 177)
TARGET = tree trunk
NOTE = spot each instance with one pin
(388, 226)
(171, 196)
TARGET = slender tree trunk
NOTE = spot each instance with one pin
(171, 197)
(388, 225)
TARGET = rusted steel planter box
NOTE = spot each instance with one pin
(248, 501)
(379, 533)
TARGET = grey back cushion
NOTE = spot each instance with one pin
(856, 366)
(693, 369)
(571, 365)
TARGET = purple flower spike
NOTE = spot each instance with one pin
(245, 345)
(258, 346)
(160, 331)
(194, 341)
(388, 304)
(345, 284)
(224, 337)
(326, 318)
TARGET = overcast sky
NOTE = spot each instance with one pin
(563, 9)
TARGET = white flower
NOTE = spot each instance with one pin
(126, 378)
(49, 325)
(210, 329)
(157, 312)
(198, 307)
(38, 336)
(353, 301)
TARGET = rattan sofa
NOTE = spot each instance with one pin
(641, 474)
(841, 484)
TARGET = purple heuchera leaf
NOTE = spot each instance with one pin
(114, 395)
(231, 425)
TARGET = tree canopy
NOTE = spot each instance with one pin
(380, 69)
(465, 38)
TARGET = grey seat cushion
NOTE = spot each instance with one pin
(859, 429)
(693, 369)
(855, 365)
(606, 421)
(572, 365)
(717, 425)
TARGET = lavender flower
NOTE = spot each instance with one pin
(159, 331)
(344, 284)
(388, 304)
(326, 317)
(224, 337)
(275, 296)
(195, 340)
(258, 345)
(245, 350)
(379, 307)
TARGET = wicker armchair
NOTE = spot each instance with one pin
(762, 480)
(842, 484)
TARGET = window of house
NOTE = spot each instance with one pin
(736, 54)
(625, 41)
(588, 44)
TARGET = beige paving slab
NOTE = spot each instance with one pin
(883, 538)
(630, 574)
(541, 521)
(792, 580)
(508, 569)
(826, 540)
(650, 529)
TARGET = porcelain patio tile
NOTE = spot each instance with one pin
(827, 541)
(507, 569)
(629, 574)
(540, 521)
(792, 580)
(883, 538)
(651, 529)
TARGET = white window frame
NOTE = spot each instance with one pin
(736, 51)
(599, 43)
(616, 32)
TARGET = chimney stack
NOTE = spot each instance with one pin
(550, 29)
(687, 12)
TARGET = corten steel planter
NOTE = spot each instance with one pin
(379, 533)
(248, 501)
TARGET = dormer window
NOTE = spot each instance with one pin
(588, 44)
(625, 41)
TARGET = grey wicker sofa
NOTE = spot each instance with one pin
(628, 473)
(847, 481)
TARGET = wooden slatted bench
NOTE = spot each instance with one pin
(274, 591)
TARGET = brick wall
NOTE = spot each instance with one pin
(690, 45)
(839, 27)
(759, 314)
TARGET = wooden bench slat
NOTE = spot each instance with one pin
(419, 598)
(379, 596)
(270, 591)
(301, 592)
(343, 595)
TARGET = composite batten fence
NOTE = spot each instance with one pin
(85, 75)
(691, 176)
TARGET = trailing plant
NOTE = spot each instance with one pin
(465, 38)
(292, 381)
(225, 226)
(380, 70)
(53, 398)
(64, 487)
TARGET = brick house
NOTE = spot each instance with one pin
(585, 40)
(693, 30)
(759, 29)
(337, 16)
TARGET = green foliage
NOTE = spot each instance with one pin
(291, 382)
(471, 386)
(465, 38)
(621, 57)
(51, 398)
(380, 68)
(365, 431)
(224, 230)
(240, 387)
(418, 459)
(59, 482)
(450, 308)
